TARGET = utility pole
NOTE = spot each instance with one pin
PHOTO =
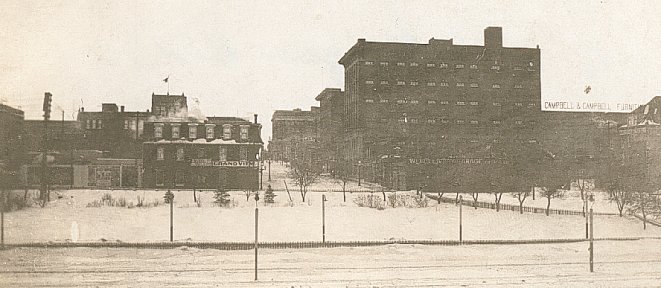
(256, 234)
(323, 218)
(591, 242)
(461, 204)
(2, 220)
(269, 168)
(44, 197)
(169, 198)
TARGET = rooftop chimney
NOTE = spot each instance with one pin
(121, 108)
(493, 37)
(255, 118)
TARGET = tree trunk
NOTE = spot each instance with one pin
(498, 201)
(456, 198)
(439, 197)
(548, 205)
(475, 195)
(194, 196)
(644, 217)
(344, 191)
(383, 191)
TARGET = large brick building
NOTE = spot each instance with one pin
(12, 144)
(294, 135)
(330, 128)
(414, 110)
(220, 153)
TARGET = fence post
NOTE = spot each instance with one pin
(2, 220)
(461, 204)
(591, 242)
(323, 218)
(256, 225)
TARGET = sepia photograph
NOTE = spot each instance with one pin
(345, 143)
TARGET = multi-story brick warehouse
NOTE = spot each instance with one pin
(414, 109)
(220, 153)
(294, 135)
(12, 143)
(330, 129)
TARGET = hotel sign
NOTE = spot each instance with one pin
(218, 163)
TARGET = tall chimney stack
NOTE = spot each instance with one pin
(493, 37)
(255, 118)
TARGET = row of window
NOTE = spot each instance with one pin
(441, 84)
(192, 131)
(447, 121)
(458, 103)
(495, 67)
(130, 124)
(467, 140)
(94, 124)
(222, 153)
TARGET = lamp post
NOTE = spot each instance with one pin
(169, 198)
(359, 166)
(256, 230)
(461, 204)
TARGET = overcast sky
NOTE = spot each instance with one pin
(244, 57)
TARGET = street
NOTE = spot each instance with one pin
(618, 264)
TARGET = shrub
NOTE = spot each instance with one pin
(370, 201)
(222, 198)
(15, 202)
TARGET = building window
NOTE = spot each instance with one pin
(414, 102)
(192, 131)
(461, 103)
(445, 84)
(474, 85)
(473, 66)
(401, 64)
(179, 178)
(460, 84)
(518, 104)
(93, 124)
(158, 131)
(369, 100)
(459, 66)
(431, 121)
(531, 105)
(474, 103)
(496, 122)
(431, 65)
(126, 124)
(180, 154)
(414, 83)
(495, 67)
(431, 101)
(244, 132)
(495, 86)
(401, 83)
(243, 153)
(210, 134)
(496, 104)
(445, 102)
(518, 68)
(227, 131)
(175, 131)
(474, 122)
(445, 121)
(100, 124)
(222, 153)
(401, 120)
(384, 64)
(444, 65)
(369, 82)
(369, 63)
(160, 153)
(518, 86)
(414, 120)
(383, 101)
(89, 124)
(384, 82)
(518, 122)
(401, 101)
(413, 64)
(460, 121)
(160, 178)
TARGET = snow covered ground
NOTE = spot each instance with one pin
(617, 264)
(280, 222)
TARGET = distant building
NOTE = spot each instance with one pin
(330, 128)
(415, 110)
(294, 135)
(12, 142)
(641, 148)
(220, 153)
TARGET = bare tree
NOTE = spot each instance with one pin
(619, 195)
(645, 203)
(521, 196)
(303, 174)
(551, 193)
(342, 177)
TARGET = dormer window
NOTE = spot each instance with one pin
(175, 131)
(227, 131)
(158, 130)
(192, 131)
(244, 132)
(209, 129)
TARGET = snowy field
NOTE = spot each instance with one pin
(617, 264)
(345, 221)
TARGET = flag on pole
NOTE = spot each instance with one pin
(166, 79)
